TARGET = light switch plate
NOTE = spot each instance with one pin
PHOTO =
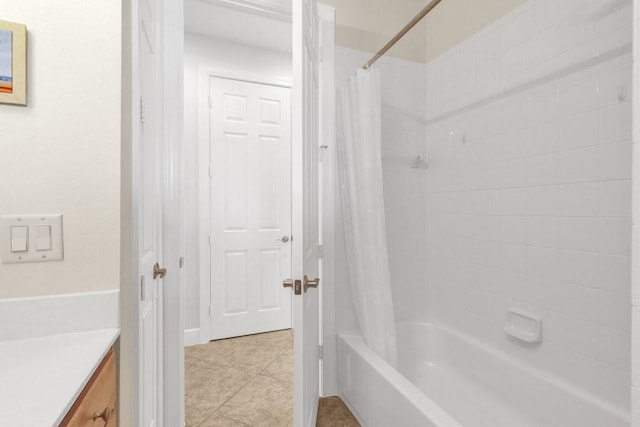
(36, 248)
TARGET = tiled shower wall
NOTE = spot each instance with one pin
(528, 190)
(403, 134)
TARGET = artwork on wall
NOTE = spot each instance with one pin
(13, 63)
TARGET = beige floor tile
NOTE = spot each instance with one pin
(332, 412)
(208, 387)
(247, 355)
(207, 351)
(264, 402)
(216, 420)
(279, 340)
(282, 367)
(192, 364)
(198, 351)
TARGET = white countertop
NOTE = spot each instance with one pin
(40, 378)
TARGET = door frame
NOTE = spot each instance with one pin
(170, 107)
(635, 230)
(329, 359)
(205, 73)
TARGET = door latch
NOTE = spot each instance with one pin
(296, 285)
(159, 272)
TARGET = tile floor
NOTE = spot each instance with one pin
(248, 381)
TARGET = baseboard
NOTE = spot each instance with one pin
(58, 314)
(191, 337)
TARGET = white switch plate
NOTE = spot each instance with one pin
(35, 243)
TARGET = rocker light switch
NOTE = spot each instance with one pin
(19, 238)
(43, 238)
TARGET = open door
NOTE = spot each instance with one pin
(305, 212)
(151, 374)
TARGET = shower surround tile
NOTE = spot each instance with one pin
(545, 164)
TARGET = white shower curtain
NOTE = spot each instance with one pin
(360, 170)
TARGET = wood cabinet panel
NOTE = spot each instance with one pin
(97, 398)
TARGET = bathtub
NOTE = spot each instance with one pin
(449, 379)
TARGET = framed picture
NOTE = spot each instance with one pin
(13, 63)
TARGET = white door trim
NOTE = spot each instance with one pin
(173, 286)
(255, 7)
(635, 264)
(329, 361)
(205, 73)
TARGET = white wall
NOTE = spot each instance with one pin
(61, 153)
(200, 51)
(528, 191)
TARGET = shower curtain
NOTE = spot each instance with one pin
(360, 171)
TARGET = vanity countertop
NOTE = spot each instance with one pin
(40, 378)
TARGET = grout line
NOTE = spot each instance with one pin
(223, 416)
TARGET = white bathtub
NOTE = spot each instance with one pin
(454, 380)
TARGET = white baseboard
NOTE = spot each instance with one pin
(33, 317)
(191, 337)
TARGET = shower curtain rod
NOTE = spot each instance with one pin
(402, 32)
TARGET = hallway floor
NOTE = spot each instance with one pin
(248, 381)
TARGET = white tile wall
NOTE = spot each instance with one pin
(403, 134)
(403, 112)
(527, 198)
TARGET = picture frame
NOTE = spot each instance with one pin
(13, 63)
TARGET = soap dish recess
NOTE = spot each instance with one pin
(524, 326)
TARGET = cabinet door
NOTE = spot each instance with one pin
(96, 405)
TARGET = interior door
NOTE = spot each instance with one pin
(306, 210)
(149, 218)
(250, 131)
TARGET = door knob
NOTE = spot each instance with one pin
(283, 239)
(159, 272)
(308, 283)
(105, 415)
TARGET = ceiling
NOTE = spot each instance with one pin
(360, 24)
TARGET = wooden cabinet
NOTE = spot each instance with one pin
(96, 405)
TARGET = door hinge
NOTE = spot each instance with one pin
(210, 172)
(323, 149)
(320, 251)
(210, 101)
(142, 288)
(210, 311)
(321, 352)
(181, 262)
(210, 241)
(141, 111)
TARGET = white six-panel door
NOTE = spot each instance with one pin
(150, 220)
(306, 208)
(250, 137)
